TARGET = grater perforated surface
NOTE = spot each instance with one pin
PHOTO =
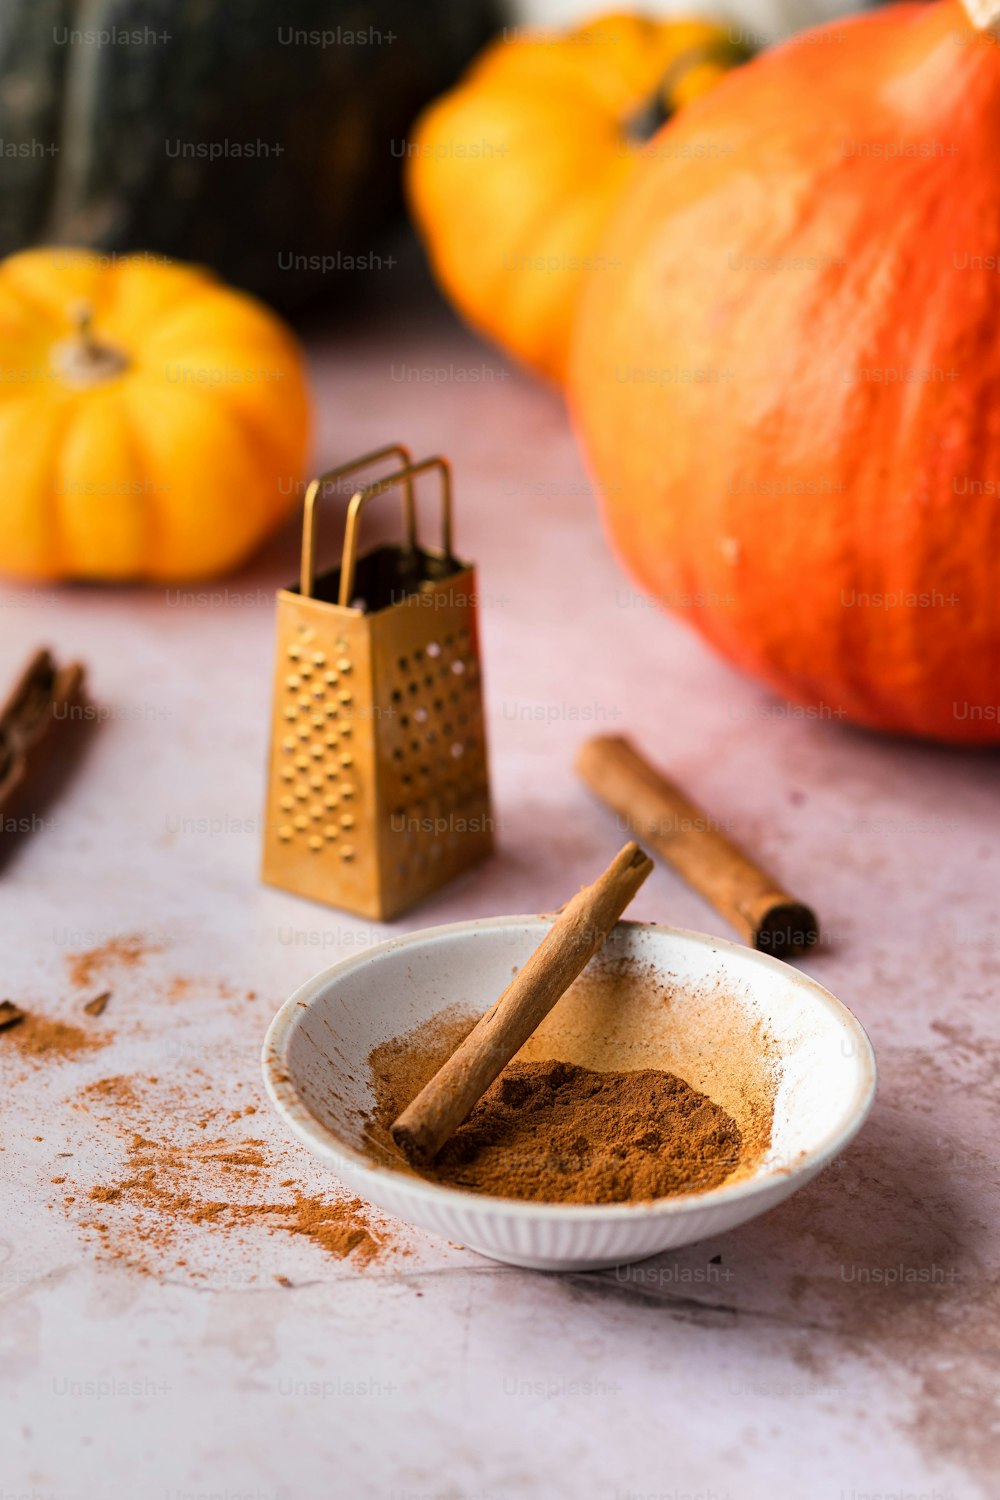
(317, 763)
(432, 753)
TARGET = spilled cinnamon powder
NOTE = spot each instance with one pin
(117, 952)
(116, 1090)
(41, 1039)
(181, 1187)
(167, 1189)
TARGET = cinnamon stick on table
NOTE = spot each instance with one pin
(574, 937)
(660, 814)
(35, 722)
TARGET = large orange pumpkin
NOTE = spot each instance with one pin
(790, 390)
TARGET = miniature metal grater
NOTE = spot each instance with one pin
(378, 788)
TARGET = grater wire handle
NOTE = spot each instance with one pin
(360, 499)
(307, 576)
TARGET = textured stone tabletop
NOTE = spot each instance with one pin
(847, 1345)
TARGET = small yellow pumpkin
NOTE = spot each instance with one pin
(153, 422)
(514, 175)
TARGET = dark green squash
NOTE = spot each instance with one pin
(261, 137)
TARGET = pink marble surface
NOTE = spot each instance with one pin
(847, 1345)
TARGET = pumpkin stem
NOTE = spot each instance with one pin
(83, 360)
(984, 15)
(687, 77)
(82, 316)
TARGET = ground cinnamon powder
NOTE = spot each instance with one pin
(558, 1133)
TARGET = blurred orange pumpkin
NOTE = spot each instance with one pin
(513, 176)
(789, 390)
(153, 423)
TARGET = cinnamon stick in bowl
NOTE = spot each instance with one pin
(659, 813)
(575, 936)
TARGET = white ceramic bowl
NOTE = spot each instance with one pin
(730, 1021)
